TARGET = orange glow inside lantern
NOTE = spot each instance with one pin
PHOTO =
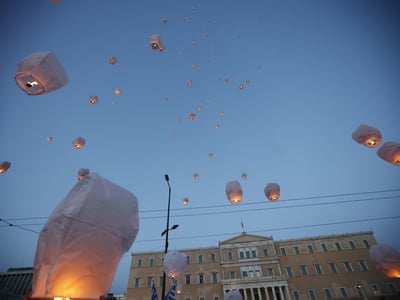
(78, 143)
(4, 166)
(174, 264)
(93, 99)
(117, 92)
(185, 201)
(234, 192)
(155, 43)
(272, 191)
(390, 152)
(367, 136)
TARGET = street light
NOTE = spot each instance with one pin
(165, 232)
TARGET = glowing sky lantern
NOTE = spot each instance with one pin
(221, 113)
(386, 259)
(367, 136)
(192, 116)
(155, 43)
(200, 107)
(82, 173)
(216, 126)
(244, 175)
(185, 201)
(49, 138)
(82, 242)
(118, 92)
(233, 295)
(234, 192)
(4, 166)
(112, 60)
(40, 73)
(78, 143)
(189, 82)
(241, 86)
(179, 288)
(174, 263)
(272, 191)
(93, 99)
(196, 176)
(390, 152)
(210, 155)
(164, 20)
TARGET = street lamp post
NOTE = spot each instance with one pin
(167, 229)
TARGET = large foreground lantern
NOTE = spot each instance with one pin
(386, 259)
(40, 73)
(367, 135)
(272, 191)
(83, 240)
(4, 166)
(234, 192)
(174, 264)
(233, 295)
(390, 152)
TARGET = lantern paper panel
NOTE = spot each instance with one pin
(234, 192)
(367, 135)
(386, 259)
(233, 295)
(272, 191)
(155, 43)
(4, 166)
(83, 240)
(390, 152)
(82, 173)
(174, 264)
(40, 73)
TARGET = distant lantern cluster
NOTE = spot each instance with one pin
(234, 191)
(371, 137)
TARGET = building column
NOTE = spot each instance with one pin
(274, 293)
(266, 293)
(286, 291)
(259, 294)
(245, 294)
(281, 293)
(252, 294)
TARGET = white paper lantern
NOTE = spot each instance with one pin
(112, 60)
(78, 143)
(185, 201)
(40, 73)
(234, 192)
(174, 264)
(367, 135)
(82, 173)
(155, 43)
(93, 99)
(390, 152)
(272, 191)
(4, 166)
(179, 288)
(386, 259)
(244, 175)
(233, 295)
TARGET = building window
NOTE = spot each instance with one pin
(303, 270)
(230, 257)
(214, 276)
(266, 252)
(151, 262)
(139, 263)
(258, 273)
(161, 280)
(200, 258)
(296, 250)
(328, 294)
(296, 295)
(375, 288)
(253, 253)
(241, 254)
(347, 266)
(366, 244)
(352, 245)
(149, 281)
(137, 282)
(216, 298)
(324, 247)
(338, 246)
(187, 259)
(343, 292)
(232, 274)
(283, 251)
(247, 253)
(392, 289)
(289, 271)
(187, 298)
(312, 295)
(201, 278)
(245, 274)
(333, 268)
(213, 258)
(251, 273)
(363, 265)
(202, 298)
(310, 249)
(270, 271)
(318, 269)
(187, 279)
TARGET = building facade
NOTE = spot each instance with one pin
(313, 268)
(15, 283)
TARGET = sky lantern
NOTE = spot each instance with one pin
(83, 240)
(185, 201)
(93, 99)
(112, 60)
(155, 43)
(164, 20)
(272, 191)
(179, 288)
(244, 175)
(233, 295)
(386, 259)
(82, 173)
(390, 152)
(40, 73)
(189, 82)
(118, 92)
(78, 143)
(196, 176)
(174, 263)
(192, 116)
(210, 155)
(367, 136)
(4, 166)
(49, 138)
(234, 192)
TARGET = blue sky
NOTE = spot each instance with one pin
(312, 72)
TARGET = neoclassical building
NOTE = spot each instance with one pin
(312, 268)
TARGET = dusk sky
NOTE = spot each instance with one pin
(277, 88)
